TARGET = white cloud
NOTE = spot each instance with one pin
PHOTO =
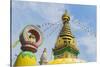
(90, 42)
(88, 39)
(78, 25)
(75, 26)
(51, 12)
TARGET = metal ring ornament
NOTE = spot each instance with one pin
(29, 43)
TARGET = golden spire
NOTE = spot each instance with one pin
(65, 46)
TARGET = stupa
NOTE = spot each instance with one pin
(65, 50)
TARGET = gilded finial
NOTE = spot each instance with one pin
(65, 17)
(66, 12)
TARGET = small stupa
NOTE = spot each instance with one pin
(43, 58)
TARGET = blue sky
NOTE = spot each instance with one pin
(48, 16)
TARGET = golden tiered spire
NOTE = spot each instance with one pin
(65, 46)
